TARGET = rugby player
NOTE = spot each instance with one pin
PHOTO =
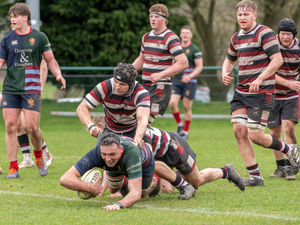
(22, 50)
(161, 57)
(284, 114)
(171, 149)
(184, 85)
(257, 51)
(121, 159)
(126, 105)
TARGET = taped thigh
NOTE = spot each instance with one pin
(254, 125)
(115, 182)
(240, 119)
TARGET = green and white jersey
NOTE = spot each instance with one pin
(192, 52)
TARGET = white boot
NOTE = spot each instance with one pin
(27, 161)
(48, 157)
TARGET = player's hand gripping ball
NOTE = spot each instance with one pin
(89, 177)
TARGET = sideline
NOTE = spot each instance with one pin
(168, 116)
(195, 210)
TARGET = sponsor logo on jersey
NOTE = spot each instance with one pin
(30, 102)
(32, 41)
(14, 42)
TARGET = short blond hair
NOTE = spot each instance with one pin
(99, 121)
(246, 4)
(159, 8)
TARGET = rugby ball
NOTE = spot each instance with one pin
(89, 177)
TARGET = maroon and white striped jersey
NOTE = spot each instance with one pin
(120, 111)
(253, 51)
(159, 140)
(289, 70)
(159, 51)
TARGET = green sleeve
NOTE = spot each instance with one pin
(132, 160)
(45, 42)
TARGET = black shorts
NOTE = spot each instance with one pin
(160, 95)
(25, 101)
(259, 107)
(187, 90)
(284, 110)
(179, 155)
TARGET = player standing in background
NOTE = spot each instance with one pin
(284, 114)
(22, 50)
(161, 57)
(258, 53)
(184, 85)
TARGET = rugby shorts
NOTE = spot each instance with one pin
(284, 110)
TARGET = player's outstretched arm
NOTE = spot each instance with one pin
(71, 180)
(142, 114)
(54, 67)
(134, 195)
(83, 112)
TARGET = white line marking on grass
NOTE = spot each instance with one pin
(196, 210)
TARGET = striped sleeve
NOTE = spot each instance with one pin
(231, 53)
(173, 43)
(269, 41)
(96, 96)
(141, 97)
(143, 41)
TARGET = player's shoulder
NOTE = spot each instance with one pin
(169, 33)
(9, 35)
(195, 47)
(264, 29)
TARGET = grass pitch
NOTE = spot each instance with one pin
(41, 200)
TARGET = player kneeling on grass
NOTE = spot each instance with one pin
(121, 159)
(171, 149)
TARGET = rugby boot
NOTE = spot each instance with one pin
(289, 175)
(27, 163)
(43, 170)
(294, 170)
(13, 173)
(293, 155)
(186, 192)
(235, 177)
(184, 136)
(179, 130)
(278, 173)
(48, 158)
(253, 181)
